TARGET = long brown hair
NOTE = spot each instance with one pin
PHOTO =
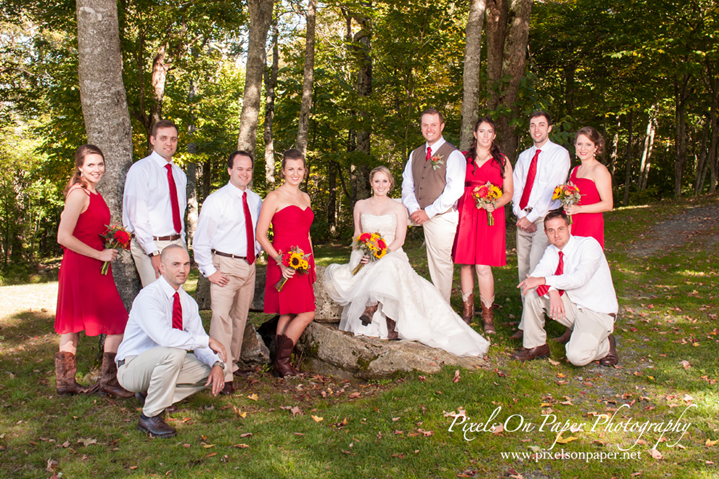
(497, 156)
(80, 155)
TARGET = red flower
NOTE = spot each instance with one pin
(482, 193)
(381, 244)
(122, 237)
(364, 237)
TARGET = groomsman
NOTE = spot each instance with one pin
(537, 172)
(432, 182)
(225, 251)
(154, 202)
(573, 285)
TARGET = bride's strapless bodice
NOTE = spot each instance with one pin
(386, 225)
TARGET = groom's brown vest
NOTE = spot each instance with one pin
(429, 182)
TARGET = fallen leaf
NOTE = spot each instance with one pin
(253, 397)
(209, 455)
(710, 443)
(562, 440)
(497, 429)
(355, 395)
(317, 419)
(87, 442)
(554, 363)
(685, 364)
(241, 446)
(456, 377)
(655, 454)
(395, 419)
(247, 434)
(401, 456)
(51, 465)
(397, 432)
(296, 410)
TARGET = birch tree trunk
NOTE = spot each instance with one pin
(701, 167)
(270, 83)
(260, 19)
(472, 56)
(628, 172)
(107, 120)
(681, 97)
(647, 153)
(303, 125)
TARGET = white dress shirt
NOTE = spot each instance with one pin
(150, 324)
(221, 225)
(146, 206)
(586, 278)
(552, 169)
(453, 191)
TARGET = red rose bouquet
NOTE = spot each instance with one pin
(296, 259)
(486, 195)
(568, 195)
(373, 245)
(116, 237)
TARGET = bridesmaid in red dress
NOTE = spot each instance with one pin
(478, 246)
(87, 300)
(289, 211)
(595, 185)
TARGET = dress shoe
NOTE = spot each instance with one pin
(519, 334)
(243, 373)
(611, 358)
(539, 352)
(156, 427)
(228, 389)
(141, 397)
(564, 338)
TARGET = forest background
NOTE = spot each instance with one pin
(345, 82)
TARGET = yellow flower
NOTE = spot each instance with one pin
(304, 264)
(380, 253)
(295, 260)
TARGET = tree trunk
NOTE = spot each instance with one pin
(615, 153)
(206, 178)
(193, 208)
(628, 175)
(681, 97)
(569, 87)
(260, 19)
(270, 83)
(107, 120)
(701, 169)
(332, 200)
(713, 113)
(303, 125)
(496, 13)
(648, 149)
(472, 56)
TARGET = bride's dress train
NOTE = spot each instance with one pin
(416, 306)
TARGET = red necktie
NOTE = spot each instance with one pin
(250, 230)
(176, 312)
(530, 181)
(429, 153)
(544, 289)
(173, 200)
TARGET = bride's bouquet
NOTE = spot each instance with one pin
(371, 244)
(486, 195)
(568, 195)
(116, 237)
(296, 259)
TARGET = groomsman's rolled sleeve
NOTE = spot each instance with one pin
(456, 170)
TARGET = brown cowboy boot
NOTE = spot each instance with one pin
(109, 386)
(468, 307)
(392, 333)
(283, 351)
(65, 369)
(488, 318)
(564, 338)
(369, 311)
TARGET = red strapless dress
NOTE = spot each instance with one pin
(291, 227)
(87, 299)
(587, 224)
(476, 242)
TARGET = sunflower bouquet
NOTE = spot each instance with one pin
(568, 195)
(487, 195)
(373, 245)
(296, 259)
(116, 237)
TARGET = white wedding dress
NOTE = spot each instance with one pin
(420, 312)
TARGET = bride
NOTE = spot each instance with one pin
(386, 298)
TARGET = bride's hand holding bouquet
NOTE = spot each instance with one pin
(372, 245)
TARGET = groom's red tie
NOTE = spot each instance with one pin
(429, 153)
(544, 289)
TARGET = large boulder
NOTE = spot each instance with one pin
(330, 351)
(254, 350)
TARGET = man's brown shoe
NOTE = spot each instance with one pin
(156, 427)
(564, 338)
(228, 389)
(518, 335)
(611, 358)
(539, 352)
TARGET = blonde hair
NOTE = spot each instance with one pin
(385, 170)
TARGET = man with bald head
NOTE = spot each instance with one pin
(165, 354)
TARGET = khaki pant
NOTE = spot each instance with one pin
(589, 340)
(168, 375)
(530, 249)
(230, 305)
(439, 237)
(143, 262)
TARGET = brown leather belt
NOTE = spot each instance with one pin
(120, 363)
(228, 255)
(174, 237)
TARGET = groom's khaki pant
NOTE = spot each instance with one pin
(589, 339)
(530, 249)
(439, 237)
(143, 262)
(168, 375)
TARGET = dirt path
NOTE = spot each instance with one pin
(28, 297)
(676, 231)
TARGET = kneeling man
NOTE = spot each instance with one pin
(573, 285)
(166, 353)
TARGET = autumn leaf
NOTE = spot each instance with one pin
(241, 446)
(685, 364)
(317, 419)
(211, 454)
(554, 363)
(456, 377)
(497, 429)
(568, 401)
(655, 454)
(355, 395)
(562, 440)
(710, 443)
(208, 446)
(253, 397)
(51, 465)
(87, 442)
(296, 410)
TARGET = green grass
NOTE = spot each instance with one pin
(399, 428)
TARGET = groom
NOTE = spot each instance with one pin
(432, 182)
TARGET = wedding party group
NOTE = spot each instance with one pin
(160, 352)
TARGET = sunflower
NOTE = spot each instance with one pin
(295, 261)
(380, 253)
(304, 264)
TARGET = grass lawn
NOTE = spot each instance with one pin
(655, 415)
